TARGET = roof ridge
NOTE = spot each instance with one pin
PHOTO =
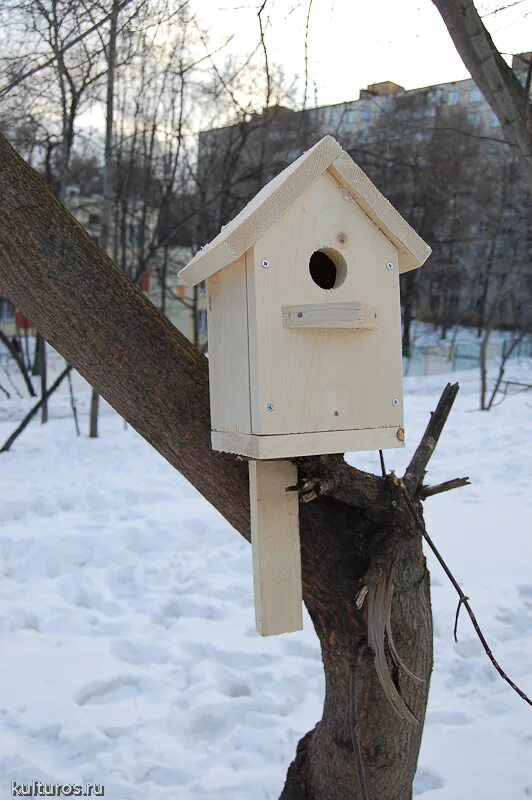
(274, 199)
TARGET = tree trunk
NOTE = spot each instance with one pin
(157, 380)
(107, 176)
(483, 363)
(336, 553)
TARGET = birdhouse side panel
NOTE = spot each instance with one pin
(330, 378)
(227, 319)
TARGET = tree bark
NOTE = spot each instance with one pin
(357, 533)
(508, 100)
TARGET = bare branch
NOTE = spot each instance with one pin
(415, 471)
(64, 49)
(265, 50)
(446, 486)
(307, 21)
(464, 601)
(36, 408)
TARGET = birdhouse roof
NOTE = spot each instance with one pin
(274, 199)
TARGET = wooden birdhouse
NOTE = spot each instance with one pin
(304, 343)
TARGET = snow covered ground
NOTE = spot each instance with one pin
(128, 650)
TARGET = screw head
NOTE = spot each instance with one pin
(269, 406)
(265, 263)
(389, 265)
(299, 314)
(395, 401)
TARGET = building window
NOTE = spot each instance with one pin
(7, 310)
(475, 95)
(453, 98)
(94, 219)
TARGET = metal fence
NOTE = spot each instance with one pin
(460, 355)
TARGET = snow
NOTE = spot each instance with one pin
(129, 655)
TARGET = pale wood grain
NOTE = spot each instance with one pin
(331, 315)
(413, 251)
(228, 349)
(323, 379)
(275, 545)
(278, 196)
(305, 444)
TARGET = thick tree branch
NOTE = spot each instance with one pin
(491, 73)
(415, 471)
(332, 476)
(102, 325)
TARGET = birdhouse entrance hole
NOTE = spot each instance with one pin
(327, 268)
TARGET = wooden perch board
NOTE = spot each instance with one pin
(331, 315)
(275, 545)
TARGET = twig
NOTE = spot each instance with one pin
(446, 486)
(73, 404)
(458, 607)
(19, 361)
(353, 725)
(416, 469)
(13, 384)
(27, 419)
(5, 392)
(59, 53)
(383, 466)
(464, 601)
(307, 22)
(265, 50)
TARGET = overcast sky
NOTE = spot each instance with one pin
(353, 43)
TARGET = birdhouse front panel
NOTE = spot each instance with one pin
(324, 320)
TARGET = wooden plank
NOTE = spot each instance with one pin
(331, 315)
(413, 251)
(261, 212)
(278, 196)
(307, 444)
(275, 545)
(228, 349)
(319, 379)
